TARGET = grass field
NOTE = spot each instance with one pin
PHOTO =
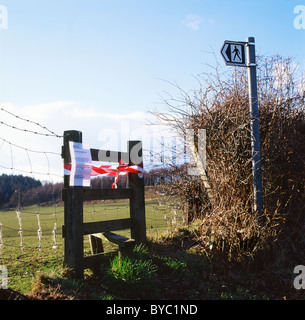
(25, 254)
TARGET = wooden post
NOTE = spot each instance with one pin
(73, 214)
(137, 200)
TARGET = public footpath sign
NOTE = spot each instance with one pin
(234, 54)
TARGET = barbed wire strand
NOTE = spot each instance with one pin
(50, 134)
(34, 172)
(27, 149)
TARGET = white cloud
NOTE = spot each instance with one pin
(43, 111)
(192, 21)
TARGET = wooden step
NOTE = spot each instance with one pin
(123, 242)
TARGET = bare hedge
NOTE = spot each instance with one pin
(221, 106)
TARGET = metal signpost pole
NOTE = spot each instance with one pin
(254, 124)
(233, 53)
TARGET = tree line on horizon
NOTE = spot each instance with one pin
(19, 190)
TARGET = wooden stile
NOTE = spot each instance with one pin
(74, 228)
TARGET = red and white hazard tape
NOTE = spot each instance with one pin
(111, 170)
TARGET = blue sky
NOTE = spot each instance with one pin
(112, 54)
(99, 65)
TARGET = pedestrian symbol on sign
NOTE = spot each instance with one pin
(236, 52)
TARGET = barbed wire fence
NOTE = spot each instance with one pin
(30, 225)
(164, 211)
(34, 223)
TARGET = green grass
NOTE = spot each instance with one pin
(131, 274)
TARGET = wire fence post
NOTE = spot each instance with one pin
(73, 213)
